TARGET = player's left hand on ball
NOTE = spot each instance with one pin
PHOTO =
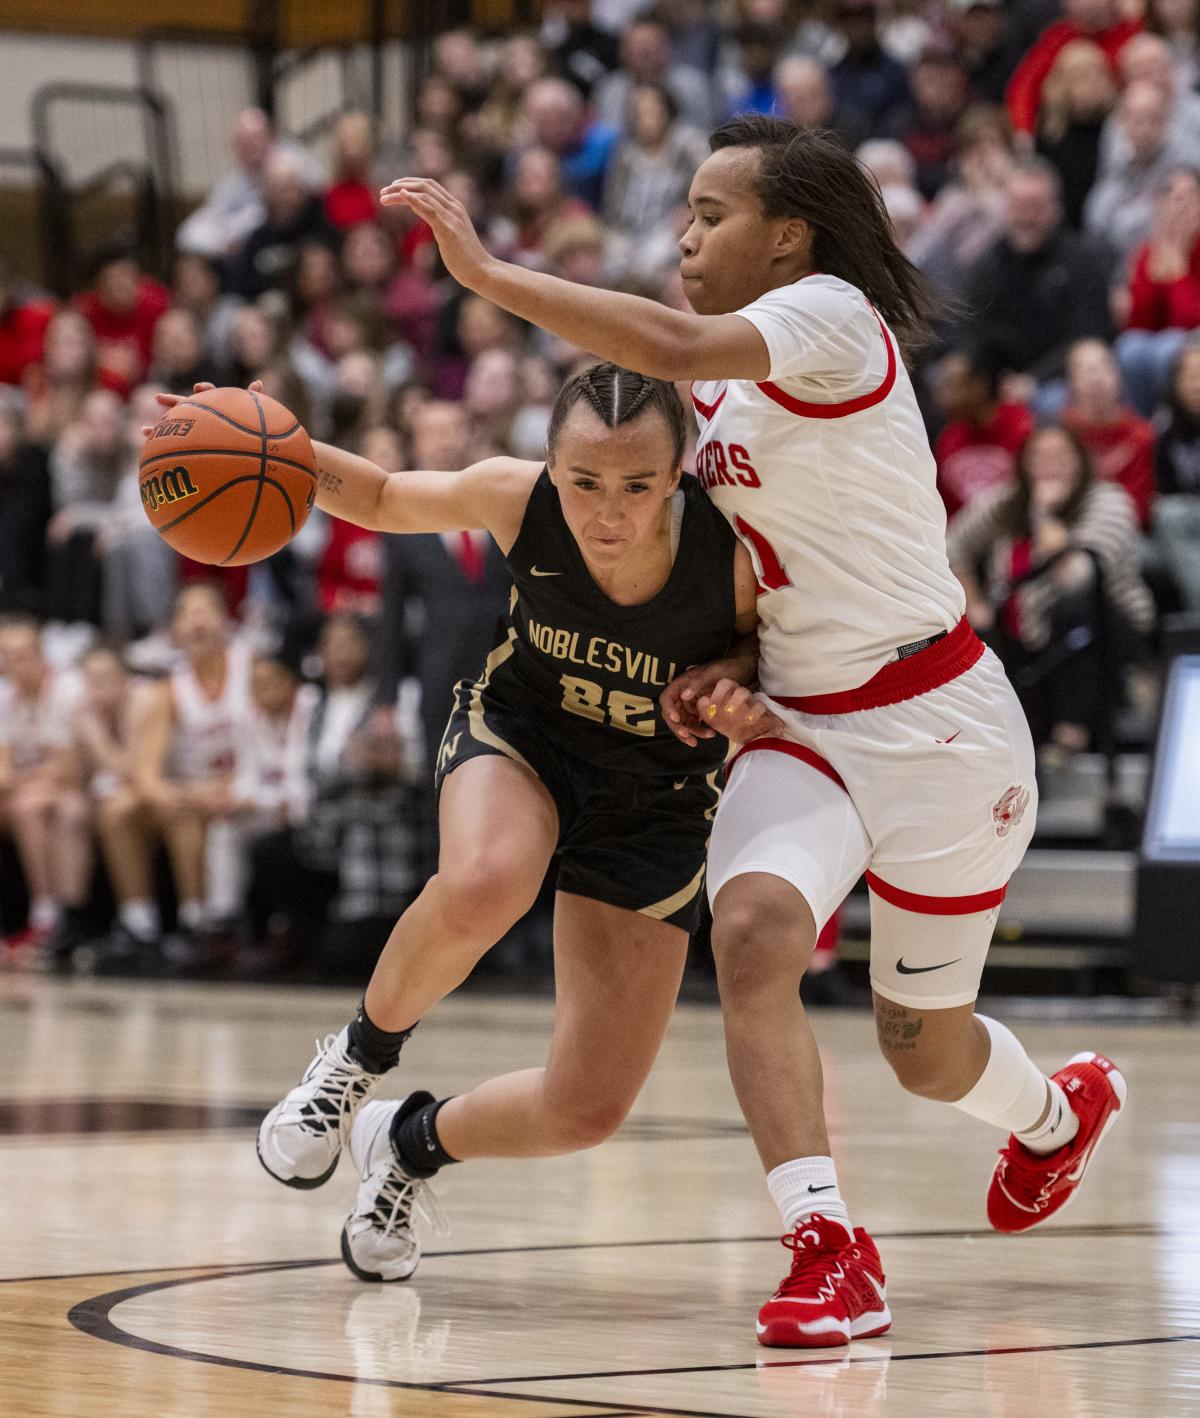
(738, 713)
(462, 251)
(168, 401)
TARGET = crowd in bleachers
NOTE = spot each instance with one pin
(1041, 163)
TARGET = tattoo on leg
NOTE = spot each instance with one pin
(897, 1027)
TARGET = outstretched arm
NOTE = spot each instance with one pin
(631, 331)
(490, 495)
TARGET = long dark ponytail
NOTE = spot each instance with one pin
(809, 173)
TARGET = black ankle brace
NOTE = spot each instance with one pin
(415, 1140)
(376, 1049)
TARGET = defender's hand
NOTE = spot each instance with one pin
(457, 239)
(681, 698)
(738, 713)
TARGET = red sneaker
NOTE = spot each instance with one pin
(1027, 1188)
(834, 1293)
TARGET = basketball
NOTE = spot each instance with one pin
(227, 477)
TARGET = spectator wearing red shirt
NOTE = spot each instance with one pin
(22, 329)
(351, 197)
(351, 566)
(123, 307)
(977, 449)
(1121, 443)
(1164, 293)
(1097, 20)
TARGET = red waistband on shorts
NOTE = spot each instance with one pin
(929, 669)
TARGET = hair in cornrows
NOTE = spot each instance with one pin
(804, 172)
(619, 396)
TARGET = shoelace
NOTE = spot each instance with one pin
(335, 1101)
(399, 1196)
(1025, 1172)
(809, 1263)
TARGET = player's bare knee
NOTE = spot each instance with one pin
(757, 948)
(922, 1065)
(480, 900)
(588, 1124)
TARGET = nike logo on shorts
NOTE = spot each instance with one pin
(903, 969)
(533, 571)
(951, 739)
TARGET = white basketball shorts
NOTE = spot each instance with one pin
(933, 797)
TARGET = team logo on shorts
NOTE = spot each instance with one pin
(1010, 809)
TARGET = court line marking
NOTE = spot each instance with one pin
(1137, 1228)
(839, 1358)
(93, 1317)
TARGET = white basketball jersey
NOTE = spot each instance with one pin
(825, 472)
(205, 740)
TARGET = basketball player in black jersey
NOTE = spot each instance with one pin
(623, 574)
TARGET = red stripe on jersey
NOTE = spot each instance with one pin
(847, 406)
(707, 410)
(924, 905)
(795, 750)
(900, 679)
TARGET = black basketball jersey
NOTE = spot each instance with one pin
(590, 670)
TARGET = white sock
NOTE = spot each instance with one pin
(805, 1186)
(140, 918)
(43, 913)
(191, 915)
(1060, 1126)
(1012, 1092)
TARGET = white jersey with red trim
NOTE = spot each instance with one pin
(825, 472)
(204, 742)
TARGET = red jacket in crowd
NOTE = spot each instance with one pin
(130, 329)
(1024, 94)
(974, 458)
(22, 334)
(1164, 305)
(350, 203)
(1123, 452)
(350, 569)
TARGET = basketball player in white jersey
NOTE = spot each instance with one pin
(906, 754)
(185, 735)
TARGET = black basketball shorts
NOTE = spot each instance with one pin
(631, 840)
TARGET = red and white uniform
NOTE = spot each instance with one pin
(207, 730)
(907, 759)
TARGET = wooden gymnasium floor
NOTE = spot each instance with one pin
(148, 1267)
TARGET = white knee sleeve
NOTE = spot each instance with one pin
(1011, 1092)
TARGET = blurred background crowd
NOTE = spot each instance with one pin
(1040, 161)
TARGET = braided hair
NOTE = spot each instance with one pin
(618, 396)
(804, 172)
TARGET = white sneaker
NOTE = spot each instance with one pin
(379, 1239)
(300, 1139)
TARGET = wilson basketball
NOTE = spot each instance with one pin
(228, 477)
